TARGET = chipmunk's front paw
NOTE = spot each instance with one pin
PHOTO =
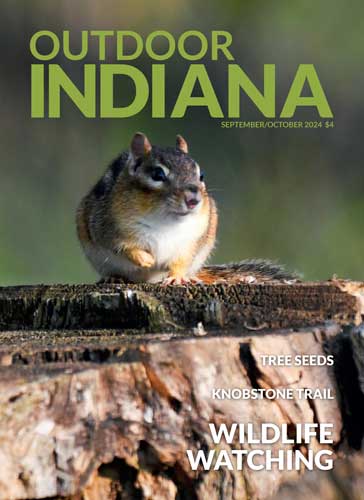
(142, 258)
(176, 280)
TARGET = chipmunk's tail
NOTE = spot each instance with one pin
(246, 271)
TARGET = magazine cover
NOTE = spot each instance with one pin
(181, 250)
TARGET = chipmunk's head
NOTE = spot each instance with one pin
(168, 177)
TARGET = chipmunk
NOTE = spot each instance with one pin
(151, 219)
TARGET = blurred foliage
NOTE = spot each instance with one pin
(291, 195)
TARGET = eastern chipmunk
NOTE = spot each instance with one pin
(150, 217)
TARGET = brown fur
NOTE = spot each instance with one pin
(246, 271)
(82, 223)
(209, 237)
(110, 216)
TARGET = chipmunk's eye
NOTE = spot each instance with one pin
(202, 175)
(158, 174)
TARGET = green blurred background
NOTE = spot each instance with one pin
(291, 195)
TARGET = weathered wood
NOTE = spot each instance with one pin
(156, 308)
(139, 413)
(344, 482)
(357, 340)
(104, 388)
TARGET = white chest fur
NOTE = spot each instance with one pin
(168, 238)
(165, 237)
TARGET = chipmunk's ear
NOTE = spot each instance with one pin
(181, 144)
(140, 145)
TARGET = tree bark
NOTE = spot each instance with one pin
(104, 388)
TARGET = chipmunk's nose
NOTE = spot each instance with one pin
(192, 196)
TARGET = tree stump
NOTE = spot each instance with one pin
(105, 387)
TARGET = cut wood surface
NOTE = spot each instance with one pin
(105, 387)
(154, 308)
